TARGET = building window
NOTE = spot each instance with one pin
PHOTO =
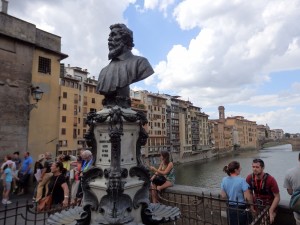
(44, 65)
(75, 98)
(74, 133)
(65, 94)
(63, 119)
(63, 143)
(93, 100)
(63, 131)
(85, 100)
(64, 106)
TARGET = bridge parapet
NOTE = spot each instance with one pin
(195, 209)
(295, 142)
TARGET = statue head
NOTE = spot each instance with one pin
(120, 40)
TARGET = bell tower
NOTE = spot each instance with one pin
(221, 113)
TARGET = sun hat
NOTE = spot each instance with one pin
(40, 157)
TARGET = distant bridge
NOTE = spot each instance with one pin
(295, 142)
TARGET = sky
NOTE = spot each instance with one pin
(244, 55)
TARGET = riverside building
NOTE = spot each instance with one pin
(77, 98)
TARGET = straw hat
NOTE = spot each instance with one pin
(41, 157)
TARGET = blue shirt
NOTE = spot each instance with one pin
(8, 175)
(28, 161)
(234, 187)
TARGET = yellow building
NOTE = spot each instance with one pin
(154, 106)
(44, 120)
(247, 132)
(77, 98)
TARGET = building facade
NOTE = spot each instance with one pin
(78, 97)
(29, 58)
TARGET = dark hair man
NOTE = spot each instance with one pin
(25, 172)
(292, 184)
(123, 69)
(263, 187)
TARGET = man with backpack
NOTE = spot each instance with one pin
(292, 185)
(264, 188)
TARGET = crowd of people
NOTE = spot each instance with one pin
(60, 177)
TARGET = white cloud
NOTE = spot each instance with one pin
(162, 5)
(239, 44)
(287, 119)
(83, 26)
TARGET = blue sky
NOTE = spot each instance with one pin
(242, 55)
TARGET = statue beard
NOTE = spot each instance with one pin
(116, 51)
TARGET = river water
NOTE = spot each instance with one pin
(209, 174)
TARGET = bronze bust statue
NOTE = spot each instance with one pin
(123, 69)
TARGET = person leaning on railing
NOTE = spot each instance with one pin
(166, 168)
(236, 190)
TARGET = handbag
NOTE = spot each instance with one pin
(295, 201)
(45, 203)
(159, 180)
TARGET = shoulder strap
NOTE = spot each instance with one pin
(264, 180)
(252, 181)
(54, 184)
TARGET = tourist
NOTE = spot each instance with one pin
(87, 158)
(58, 186)
(25, 172)
(292, 184)
(8, 175)
(18, 162)
(8, 160)
(264, 188)
(66, 161)
(236, 190)
(166, 169)
(75, 184)
(37, 171)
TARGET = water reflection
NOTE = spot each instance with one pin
(209, 175)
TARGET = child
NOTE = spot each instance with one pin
(7, 180)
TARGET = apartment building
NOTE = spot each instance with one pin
(247, 131)
(261, 132)
(173, 124)
(29, 58)
(154, 106)
(279, 134)
(78, 97)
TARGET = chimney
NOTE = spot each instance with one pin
(4, 6)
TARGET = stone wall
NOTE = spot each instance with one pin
(15, 80)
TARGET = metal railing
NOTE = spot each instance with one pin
(208, 210)
(195, 210)
(24, 213)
